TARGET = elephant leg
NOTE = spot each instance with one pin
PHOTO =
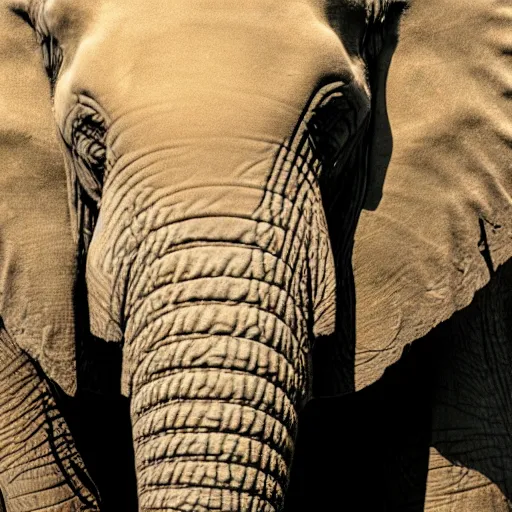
(40, 468)
(471, 458)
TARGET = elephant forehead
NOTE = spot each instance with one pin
(158, 155)
(143, 55)
(231, 128)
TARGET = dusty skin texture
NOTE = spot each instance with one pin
(37, 253)
(441, 231)
(217, 157)
(40, 468)
(445, 216)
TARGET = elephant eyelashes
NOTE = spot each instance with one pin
(382, 28)
(52, 57)
(51, 50)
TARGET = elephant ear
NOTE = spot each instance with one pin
(37, 252)
(368, 31)
(445, 221)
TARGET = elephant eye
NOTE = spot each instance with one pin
(88, 147)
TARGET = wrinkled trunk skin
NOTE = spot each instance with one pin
(218, 281)
(40, 468)
(223, 294)
(213, 426)
(216, 360)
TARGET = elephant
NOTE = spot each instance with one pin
(432, 428)
(217, 157)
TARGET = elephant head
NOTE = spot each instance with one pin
(218, 161)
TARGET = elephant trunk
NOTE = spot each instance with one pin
(216, 356)
(213, 421)
(217, 278)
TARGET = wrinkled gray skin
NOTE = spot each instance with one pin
(218, 160)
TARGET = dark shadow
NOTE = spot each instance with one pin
(366, 451)
(99, 420)
(98, 415)
(380, 133)
(472, 387)
(451, 390)
(101, 428)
